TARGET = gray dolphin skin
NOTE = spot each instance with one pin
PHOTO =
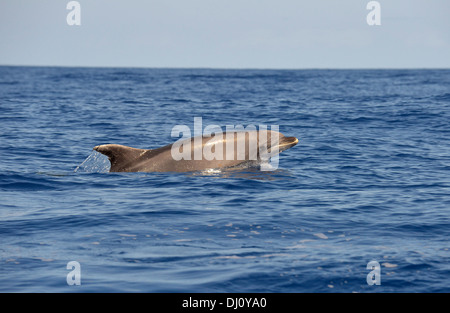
(221, 150)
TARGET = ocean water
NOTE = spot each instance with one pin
(369, 180)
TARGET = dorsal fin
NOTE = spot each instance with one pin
(120, 156)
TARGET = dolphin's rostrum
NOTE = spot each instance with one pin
(223, 150)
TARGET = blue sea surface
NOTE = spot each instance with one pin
(369, 180)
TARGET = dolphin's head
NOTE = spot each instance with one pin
(287, 142)
(276, 144)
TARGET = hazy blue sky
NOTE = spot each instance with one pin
(227, 34)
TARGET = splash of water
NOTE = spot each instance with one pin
(94, 163)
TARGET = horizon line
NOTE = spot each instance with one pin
(226, 68)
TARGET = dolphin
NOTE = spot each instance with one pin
(220, 150)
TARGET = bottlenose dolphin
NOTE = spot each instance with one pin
(221, 150)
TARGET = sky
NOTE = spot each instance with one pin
(280, 34)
